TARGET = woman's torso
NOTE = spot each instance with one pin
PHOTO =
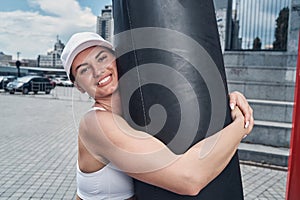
(96, 180)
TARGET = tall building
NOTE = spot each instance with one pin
(105, 23)
(5, 59)
(52, 59)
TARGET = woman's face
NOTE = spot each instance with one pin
(95, 72)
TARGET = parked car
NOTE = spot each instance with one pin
(28, 84)
(63, 81)
(4, 80)
(67, 83)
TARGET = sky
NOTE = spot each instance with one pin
(31, 26)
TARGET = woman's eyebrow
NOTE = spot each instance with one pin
(99, 54)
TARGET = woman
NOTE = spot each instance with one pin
(107, 144)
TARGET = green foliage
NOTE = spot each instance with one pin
(257, 44)
(281, 31)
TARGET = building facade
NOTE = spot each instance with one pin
(105, 23)
(52, 59)
(5, 59)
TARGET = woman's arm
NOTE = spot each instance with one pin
(145, 158)
(201, 163)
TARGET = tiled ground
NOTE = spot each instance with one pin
(38, 151)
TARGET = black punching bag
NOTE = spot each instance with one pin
(173, 83)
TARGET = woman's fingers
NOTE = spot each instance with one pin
(238, 99)
(232, 100)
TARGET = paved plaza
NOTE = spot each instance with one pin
(38, 149)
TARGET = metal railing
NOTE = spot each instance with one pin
(257, 25)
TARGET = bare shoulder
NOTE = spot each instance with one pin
(110, 128)
(95, 117)
(103, 122)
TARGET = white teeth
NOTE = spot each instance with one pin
(104, 80)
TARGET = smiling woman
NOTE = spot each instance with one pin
(110, 151)
(95, 62)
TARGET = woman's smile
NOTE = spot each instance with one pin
(105, 80)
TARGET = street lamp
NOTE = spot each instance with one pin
(18, 64)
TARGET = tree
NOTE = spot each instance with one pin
(257, 44)
(281, 30)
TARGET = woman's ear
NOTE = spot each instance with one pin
(78, 87)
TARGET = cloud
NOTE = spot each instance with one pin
(33, 33)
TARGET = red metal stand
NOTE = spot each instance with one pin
(293, 179)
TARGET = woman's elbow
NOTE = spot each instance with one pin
(189, 189)
(190, 185)
(192, 191)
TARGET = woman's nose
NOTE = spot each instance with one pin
(98, 71)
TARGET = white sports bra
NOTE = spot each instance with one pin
(107, 183)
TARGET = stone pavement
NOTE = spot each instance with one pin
(263, 183)
(38, 150)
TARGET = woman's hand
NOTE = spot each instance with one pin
(237, 115)
(238, 99)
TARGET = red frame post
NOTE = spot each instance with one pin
(293, 178)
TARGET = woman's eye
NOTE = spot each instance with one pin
(102, 58)
(84, 70)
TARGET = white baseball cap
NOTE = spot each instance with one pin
(79, 42)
